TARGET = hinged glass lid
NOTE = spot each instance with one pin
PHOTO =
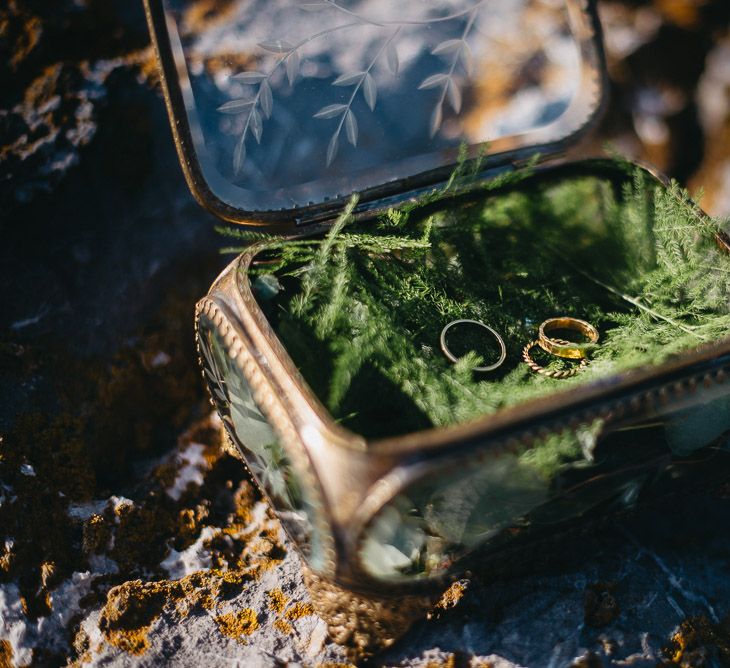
(285, 107)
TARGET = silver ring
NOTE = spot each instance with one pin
(451, 357)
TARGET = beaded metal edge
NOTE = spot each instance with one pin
(268, 403)
(365, 624)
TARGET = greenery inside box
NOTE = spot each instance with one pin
(361, 310)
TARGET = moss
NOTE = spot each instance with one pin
(371, 300)
(37, 520)
(140, 536)
(95, 417)
(238, 624)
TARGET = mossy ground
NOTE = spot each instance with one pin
(108, 429)
(85, 443)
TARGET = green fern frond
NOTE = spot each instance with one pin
(364, 305)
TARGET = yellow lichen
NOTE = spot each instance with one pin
(43, 550)
(48, 568)
(133, 641)
(299, 610)
(207, 602)
(137, 536)
(448, 662)
(680, 12)
(202, 15)
(166, 473)
(6, 558)
(132, 607)
(277, 600)
(451, 597)
(201, 588)
(82, 647)
(227, 445)
(131, 409)
(96, 534)
(6, 654)
(283, 626)
(238, 624)
(236, 577)
(696, 635)
(122, 419)
(189, 523)
(130, 610)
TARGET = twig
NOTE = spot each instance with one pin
(627, 298)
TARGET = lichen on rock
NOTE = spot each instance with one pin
(129, 612)
(238, 624)
(277, 600)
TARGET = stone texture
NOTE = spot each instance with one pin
(128, 537)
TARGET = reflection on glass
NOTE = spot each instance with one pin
(691, 428)
(495, 496)
(440, 518)
(265, 457)
(296, 102)
(437, 520)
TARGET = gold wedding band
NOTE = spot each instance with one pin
(562, 348)
(550, 373)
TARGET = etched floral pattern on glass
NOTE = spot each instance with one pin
(264, 455)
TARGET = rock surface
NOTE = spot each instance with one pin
(127, 535)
